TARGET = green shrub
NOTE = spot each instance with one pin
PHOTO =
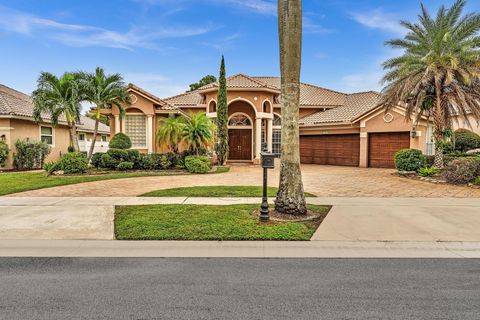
(145, 162)
(410, 160)
(97, 160)
(133, 155)
(50, 167)
(198, 164)
(3, 153)
(120, 141)
(30, 154)
(125, 165)
(476, 181)
(462, 171)
(73, 162)
(466, 140)
(447, 146)
(109, 162)
(428, 171)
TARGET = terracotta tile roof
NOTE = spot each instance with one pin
(242, 81)
(355, 105)
(311, 95)
(162, 103)
(192, 98)
(16, 103)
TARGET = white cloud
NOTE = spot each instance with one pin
(86, 36)
(224, 43)
(155, 83)
(377, 19)
(267, 7)
(309, 26)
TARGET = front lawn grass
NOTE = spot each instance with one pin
(215, 191)
(13, 182)
(205, 222)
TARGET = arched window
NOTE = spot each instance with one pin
(212, 106)
(266, 106)
(277, 121)
(239, 120)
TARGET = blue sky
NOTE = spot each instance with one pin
(163, 45)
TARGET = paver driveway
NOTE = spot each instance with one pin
(324, 181)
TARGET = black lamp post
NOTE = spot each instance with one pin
(268, 162)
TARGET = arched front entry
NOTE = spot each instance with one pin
(240, 137)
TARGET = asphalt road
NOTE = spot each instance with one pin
(185, 288)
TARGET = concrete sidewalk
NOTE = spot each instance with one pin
(248, 249)
(351, 219)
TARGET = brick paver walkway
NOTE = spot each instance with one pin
(324, 181)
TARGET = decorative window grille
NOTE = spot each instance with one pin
(136, 129)
(276, 141)
(239, 120)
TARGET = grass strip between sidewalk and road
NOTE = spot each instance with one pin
(215, 191)
(207, 222)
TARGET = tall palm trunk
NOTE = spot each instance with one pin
(439, 125)
(290, 197)
(95, 134)
(72, 130)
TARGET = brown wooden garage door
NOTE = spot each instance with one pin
(383, 146)
(335, 149)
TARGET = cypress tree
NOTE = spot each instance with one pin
(222, 116)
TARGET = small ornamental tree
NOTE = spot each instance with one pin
(222, 116)
(120, 141)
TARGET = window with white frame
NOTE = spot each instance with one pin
(46, 135)
(81, 137)
(136, 129)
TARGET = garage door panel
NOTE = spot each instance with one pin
(340, 149)
(383, 146)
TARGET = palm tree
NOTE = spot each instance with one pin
(104, 91)
(438, 74)
(290, 197)
(199, 132)
(59, 96)
(170, 132)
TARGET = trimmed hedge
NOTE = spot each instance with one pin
(198, 164)
(97, 159)
(466, 140)
(120, 141)
(410, 160)
(30, 154)
(124, 166)
(462, 170)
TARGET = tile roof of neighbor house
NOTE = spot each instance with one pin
(16, 103)
(356, 105)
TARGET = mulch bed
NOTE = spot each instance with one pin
(281, 217)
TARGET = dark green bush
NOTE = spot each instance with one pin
(466, 140)
(462, 171)
(120, 141)
(97, 159)
(109, 162)
(50, 167)
(73, 162)
(3, 153)
(30, 154)
(125, 165)
(198, 164)
(133, 155)
(410, 160)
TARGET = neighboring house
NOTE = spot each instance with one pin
(16, 122)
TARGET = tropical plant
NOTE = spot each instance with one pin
(428, 171)
(3, 153)
(199, 133)
(104, 91)
(170, 131)
(198, 164)
(55, 97)
(222, 116)
(438, 74)
(290, 197)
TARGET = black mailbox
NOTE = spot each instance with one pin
(268, 160)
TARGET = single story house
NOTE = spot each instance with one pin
(335, 128)
(16, 122)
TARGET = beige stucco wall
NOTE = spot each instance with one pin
(256, 98)
(22, 129)
(459, 123)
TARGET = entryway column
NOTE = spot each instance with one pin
(122, 129)
(363, 150)
(269, 134)
(117, 123)
(258, 137)
(150, 133)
